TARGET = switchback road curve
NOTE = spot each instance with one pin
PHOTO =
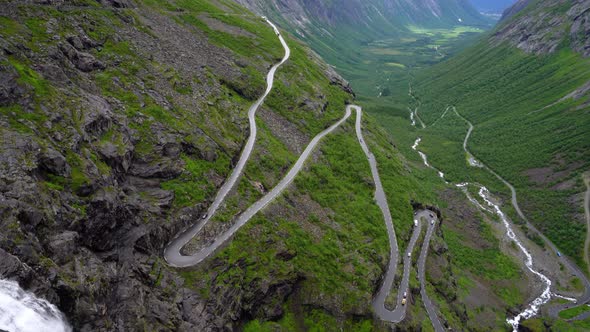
(172, 251)
(175, 258)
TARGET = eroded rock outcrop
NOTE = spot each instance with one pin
(119, 122)
(544, 26)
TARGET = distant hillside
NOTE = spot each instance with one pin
(335, 29)
(367, 16)
(526, 89)
(492, 6)
(119, 121)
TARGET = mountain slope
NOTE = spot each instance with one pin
(525, 89)
(542, 28)
(118, 127)
(368, 15)
(119, 122)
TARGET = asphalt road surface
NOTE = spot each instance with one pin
(175, 258)
(172, 251)
(399, 313)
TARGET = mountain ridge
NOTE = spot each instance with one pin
(540, 27)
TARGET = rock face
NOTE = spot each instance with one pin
(55, 163)
(117, 123)
(545, 25)
(83, 61)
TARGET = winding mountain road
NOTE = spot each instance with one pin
(586, 178)
(172, 251)
(175, 258)
(173, 255)
(430, 308)
(399, 313)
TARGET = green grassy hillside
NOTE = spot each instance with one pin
(522, 131)
(525, 128)
(117, 130)
(527, 95)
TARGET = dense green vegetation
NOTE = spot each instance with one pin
(373, 65)
(513, 101)
(344, 236)
(489, 263)
(523, 130)
(482, 280)
(317, 321)
(372, 42)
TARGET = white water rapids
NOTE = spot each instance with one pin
(533, 308)
(425, 159)
(21, 311)
(412, 117)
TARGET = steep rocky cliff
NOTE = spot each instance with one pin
(545, 26)
(119, 120)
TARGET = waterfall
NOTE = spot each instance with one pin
(21, 311)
